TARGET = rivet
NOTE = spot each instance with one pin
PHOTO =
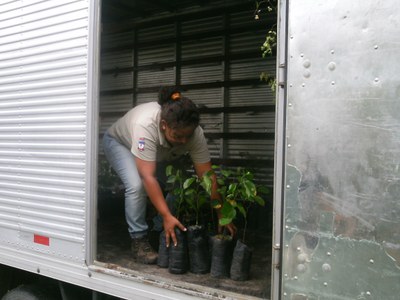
(325, 284)
(285, 275)
(302, 257)
(307, 63)
(287, 246)
(332, 51)
(303, 84)
(298, 249)
(301, 268)
(295, 278)
(328, 253)
(326, 267)
(286, 227)
(290, 104)
(368, 293)
(288, 186)
(301, 55)
(376, 79)
(38, 270)
(90, 274)
(371, 261)
(307, 74)
(331, 66)
(284, 294)
(289, 145)
(332, 83)
(376, 47)
(291, 85)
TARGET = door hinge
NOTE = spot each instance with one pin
(281, 81)
(276, 256)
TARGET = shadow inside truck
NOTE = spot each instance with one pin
(113, 252)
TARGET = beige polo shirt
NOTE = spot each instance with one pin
(139, 130)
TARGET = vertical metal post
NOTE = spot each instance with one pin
(92, 132)
(280, 144)
(178, 53)
(225, 94)
(135, 67)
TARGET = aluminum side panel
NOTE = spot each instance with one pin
(44, 65)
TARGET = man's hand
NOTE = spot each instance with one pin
(169, 227)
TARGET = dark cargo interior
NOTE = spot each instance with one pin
(211, 49)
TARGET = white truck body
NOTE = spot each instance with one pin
(336, 88)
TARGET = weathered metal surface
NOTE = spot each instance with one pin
(341, 217)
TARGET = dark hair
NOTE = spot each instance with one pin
(178, 111)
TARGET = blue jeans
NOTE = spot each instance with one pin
(123, 162)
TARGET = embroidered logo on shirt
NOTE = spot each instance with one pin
(141, 144)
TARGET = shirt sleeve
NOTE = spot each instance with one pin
(143, 143)
(198, 149)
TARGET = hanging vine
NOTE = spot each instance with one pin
(262, 8)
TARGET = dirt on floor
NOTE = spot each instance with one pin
(114, 249)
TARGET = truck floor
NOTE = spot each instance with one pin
(114, 250)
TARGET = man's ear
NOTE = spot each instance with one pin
(163, 124)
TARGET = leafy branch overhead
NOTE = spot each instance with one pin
(267, 7)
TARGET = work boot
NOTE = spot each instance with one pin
(142, 251)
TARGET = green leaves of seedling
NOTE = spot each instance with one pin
(190, 196)
(238, 191)
(188, 182)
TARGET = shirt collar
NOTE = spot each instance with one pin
(163, 141)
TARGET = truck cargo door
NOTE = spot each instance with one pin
(339, 138)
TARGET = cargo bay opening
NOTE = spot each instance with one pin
(212, 50)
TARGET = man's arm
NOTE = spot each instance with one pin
(147, 171)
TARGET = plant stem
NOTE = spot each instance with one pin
(245, 225)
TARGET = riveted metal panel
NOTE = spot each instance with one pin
(210, 72)
(214, 146)
(146, 97)
(43, 127)
(249, 149)
(117, 60)
(211, 97)
(212, 123)
(117, 40)
(250, 69)
(156, 78)
(251, 95)
(106, 122)
(161, 54)
(116, 103)
(116, 81)
(255, 122)
(341, 217)
(198, 25)
(202, 47)
(243, 41)
(152, 33)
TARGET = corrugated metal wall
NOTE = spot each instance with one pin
(43, 95)
(216, 57)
